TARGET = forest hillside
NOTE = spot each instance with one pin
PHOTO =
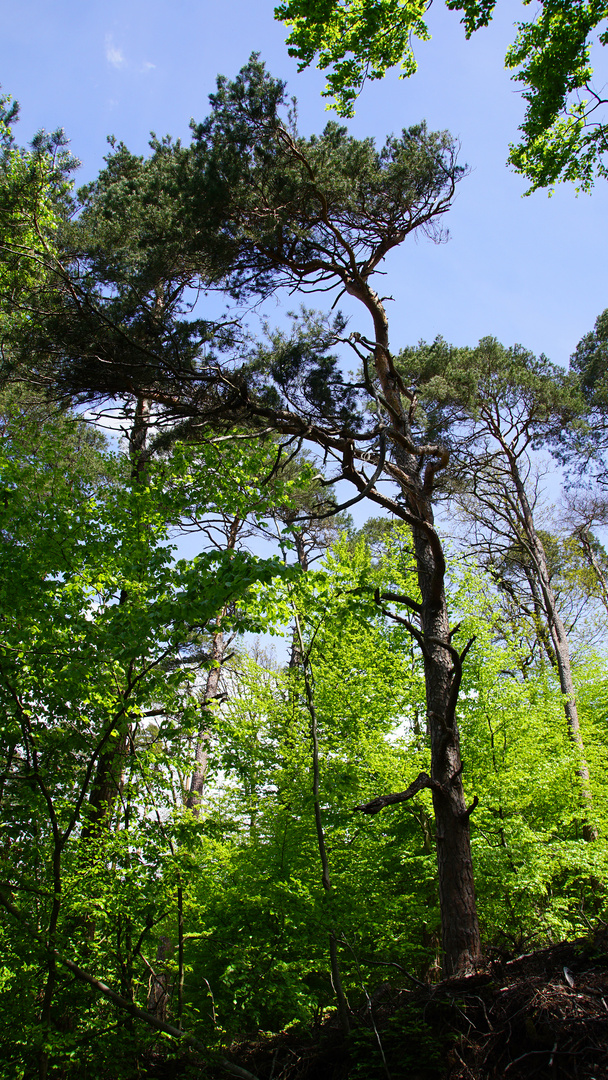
(303, 674)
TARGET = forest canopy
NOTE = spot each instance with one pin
(200, 836)
(563, 134)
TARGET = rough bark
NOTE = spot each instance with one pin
(442, 664)
(460, 926)
(540, 626)
(159, 983)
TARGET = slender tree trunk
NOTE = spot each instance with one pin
(336, 978)
(218, 648)
(201, 760)
(51, 978)
(559, 639)
(180, 955)
(296, 656)
(540, 617)
(110, 764)
(594, 563)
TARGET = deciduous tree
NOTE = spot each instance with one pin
(564, 134)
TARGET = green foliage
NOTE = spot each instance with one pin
(97, 681)
(586, 444)
(270, 920)
(104, 633)
(255, 915)
(460, 385)
(532, 865)
(589, 363)
(357, 41)
(261, 916)
(562, 137)
(290, 203)
(35, 191)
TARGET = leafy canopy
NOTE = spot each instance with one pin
(563, 137)
(35, 191)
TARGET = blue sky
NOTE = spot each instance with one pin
(527, 270)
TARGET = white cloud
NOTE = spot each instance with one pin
(147, 66)
(114, 56)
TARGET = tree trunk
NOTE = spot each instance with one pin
(218, 648)
(201, 760)
(296, 656)
(459, 923)
(584, 537)
(561, 647)
(110, 764)
(540, 615)
(159, 983)
(415, 469)
(334, 960)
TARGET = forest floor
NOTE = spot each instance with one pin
(543, 1015)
